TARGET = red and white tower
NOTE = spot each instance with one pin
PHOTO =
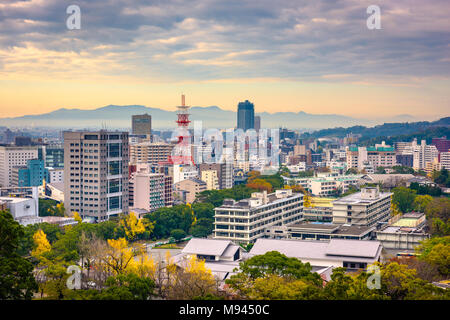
(181, 153)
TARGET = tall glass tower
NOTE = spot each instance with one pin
(246, 115)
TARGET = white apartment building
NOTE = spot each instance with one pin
(445, 160)
(246, 220)
(12, 156)
(365, 208)
(381, 155)
(422, 153)
(96, 173)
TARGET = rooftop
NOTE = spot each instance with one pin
(335, 249)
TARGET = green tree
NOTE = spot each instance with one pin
(421, 202)
(404, 199)
(16, 273)
(436, 251)
(178, 234)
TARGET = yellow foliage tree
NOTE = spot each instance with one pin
(77, 217)
(118, 256)
(394, 209)
(197, 267)
(42, 244)
(133, 226)
(143, 264)
(307, 201)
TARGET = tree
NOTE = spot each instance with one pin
(380, 170)
(259, 184)
(133, 226)
(178, 234)
(404, 199)
(16, 273)
(421, 202)
(286, 278)
(202, 228)
(77, 217)
(436, 251)
(438, 216)
(41, 244)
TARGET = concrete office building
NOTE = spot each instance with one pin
(96, 173)
(210, 178)
(368, 208)
(141, 125)
(12, 156)
(246, 220)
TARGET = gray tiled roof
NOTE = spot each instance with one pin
(211, 247)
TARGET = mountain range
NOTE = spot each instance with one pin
(113, 116)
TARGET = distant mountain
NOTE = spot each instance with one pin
(387, 130)
(114, 116)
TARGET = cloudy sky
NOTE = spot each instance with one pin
(283, 55)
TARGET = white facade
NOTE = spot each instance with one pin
(56, 175)
(246, 220)
(12, 156)
(183, 172)
(365, 208)
(211, 179)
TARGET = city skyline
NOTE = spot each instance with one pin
(290, 56)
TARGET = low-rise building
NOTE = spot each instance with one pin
(370, 207)
(319, 210)
(246, 220)
(350, 254)
(404, 232)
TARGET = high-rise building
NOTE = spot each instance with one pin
(257, 123)
(210, 178)
(53, 156)
(13, 156)
(141, 125)
(246, 115)
(148, 191)
(96, 173)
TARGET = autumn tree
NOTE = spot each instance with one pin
(41, 244)
(134, 226)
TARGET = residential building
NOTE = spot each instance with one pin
(182, 172)
(188, 189)
(370, 207)
(210, 178)
(24, 210)
(96, 173)
(13, 156)
(445, 160)
(150, 152)
(246, 220)
(224, 173)
(246, 115)
(147, 191)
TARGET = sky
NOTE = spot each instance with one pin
(283, 55)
